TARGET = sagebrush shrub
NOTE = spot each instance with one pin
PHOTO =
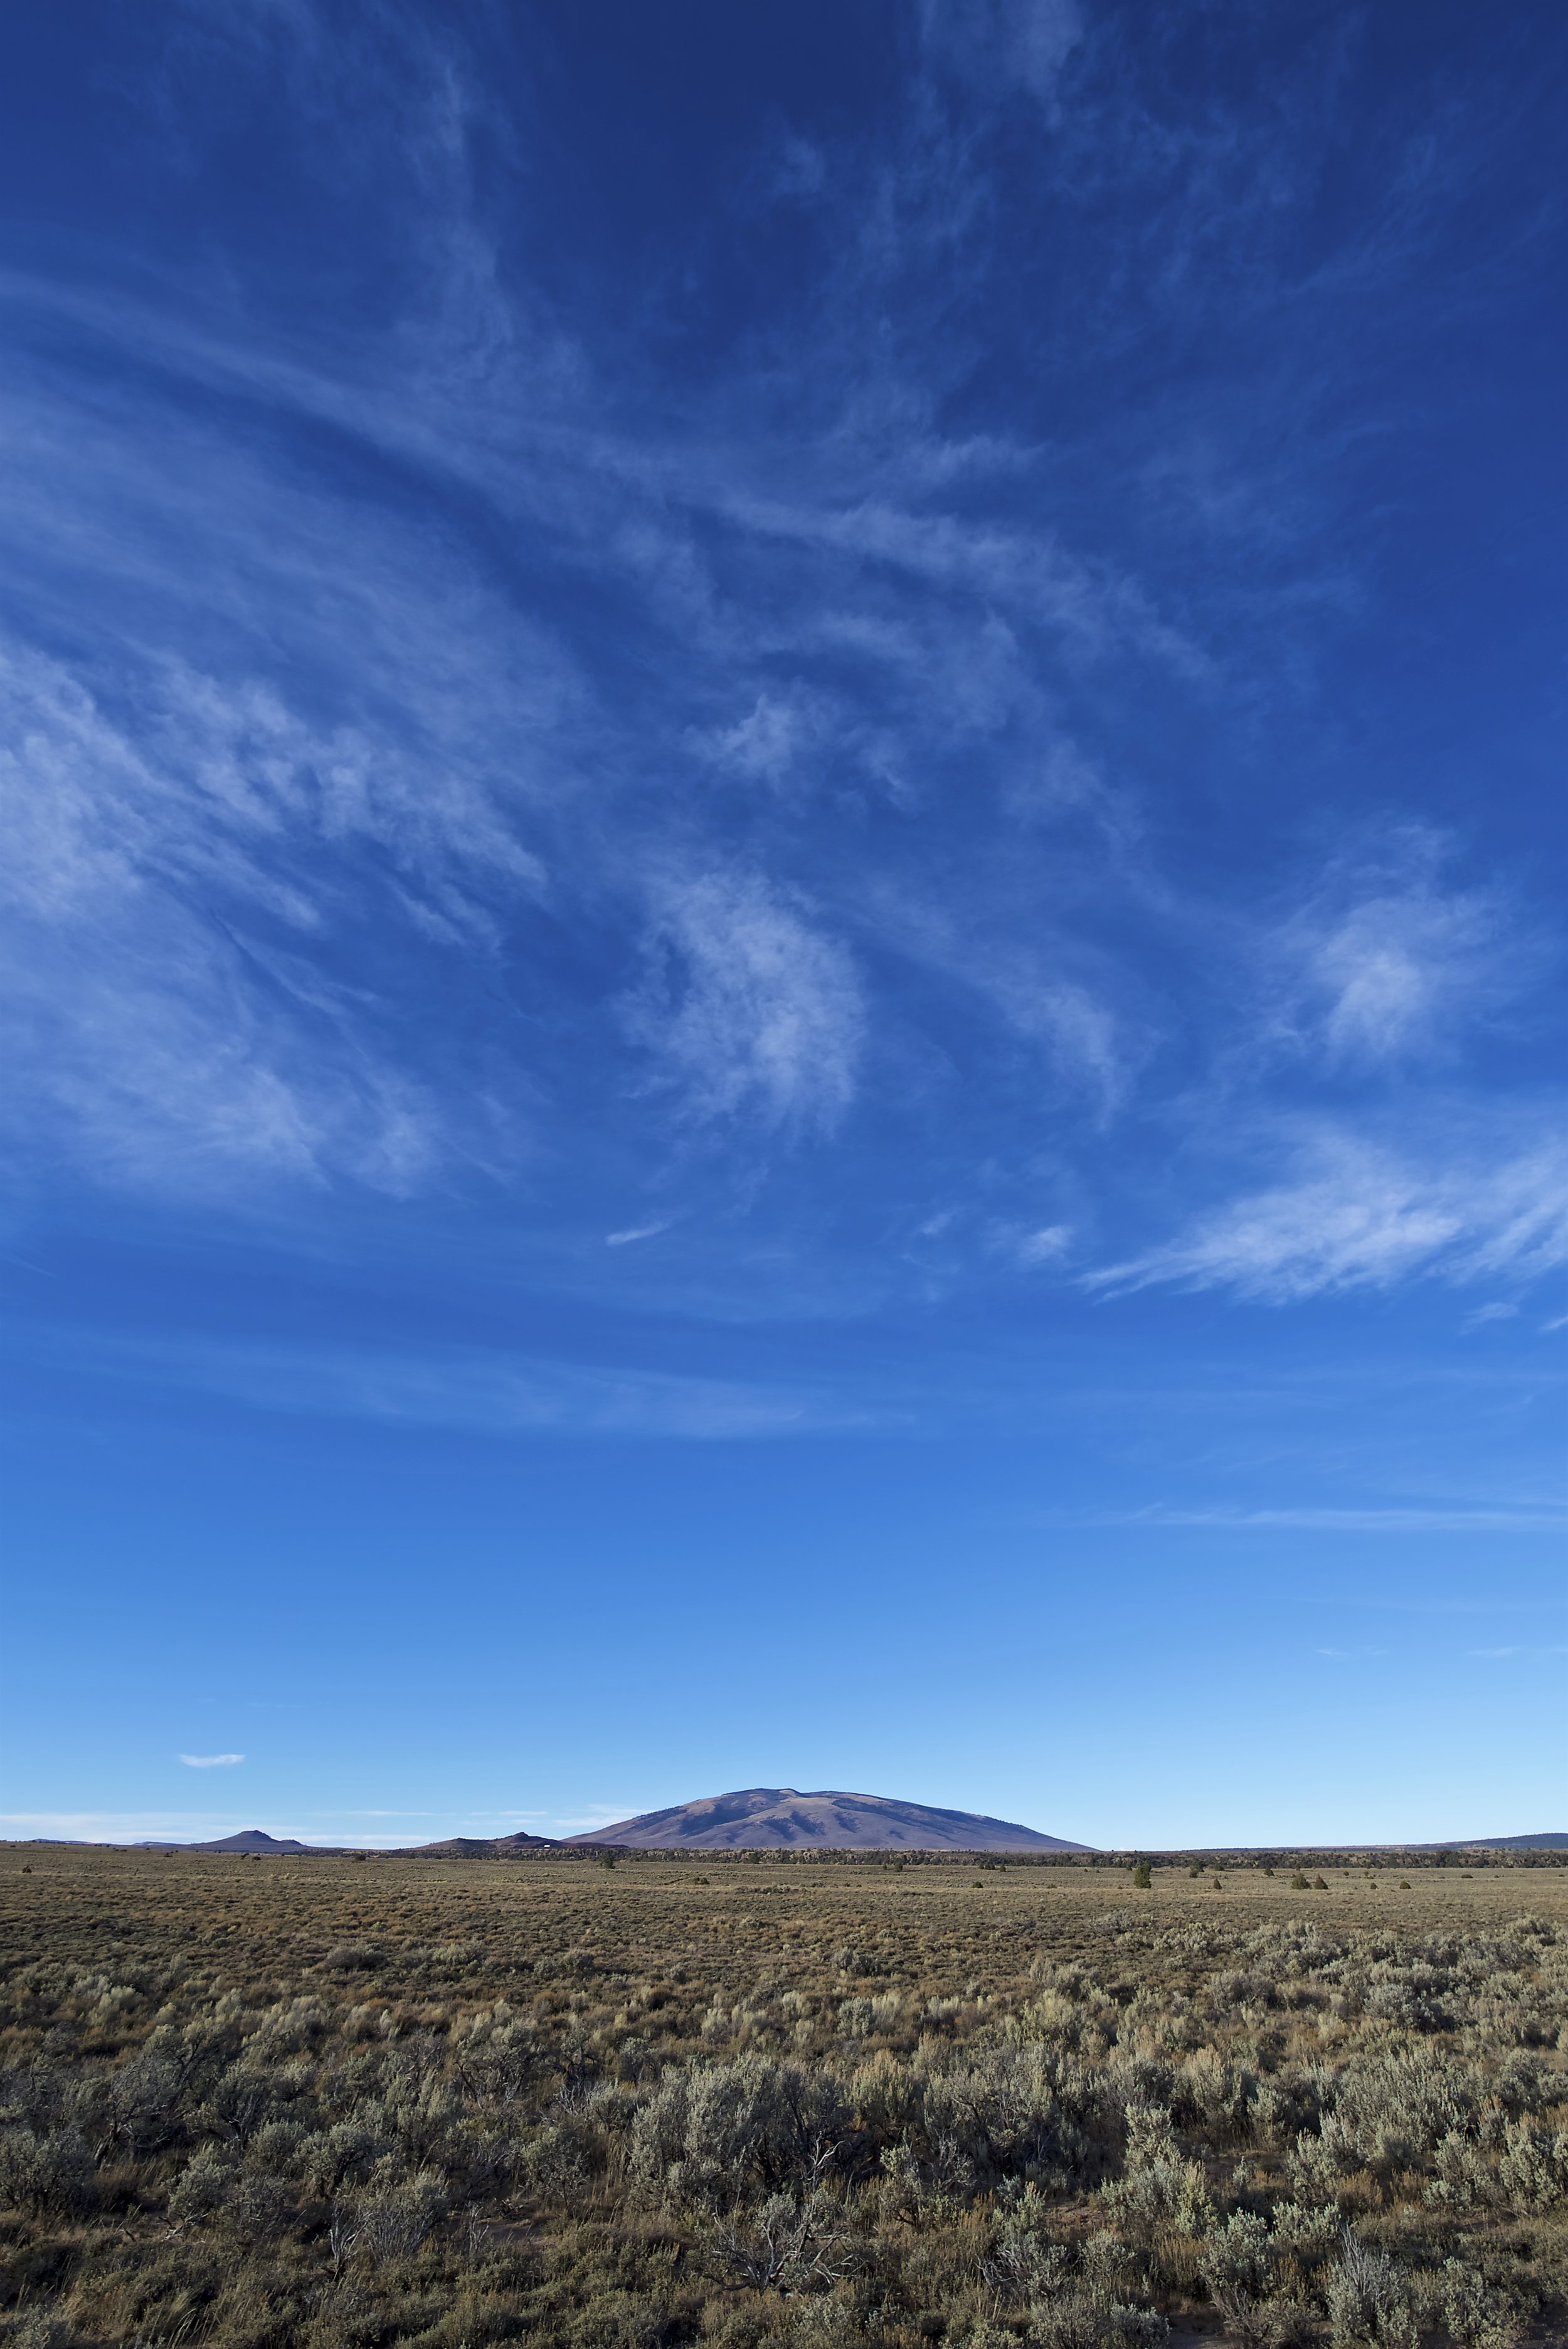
(1369, 2301)
(51, 2174)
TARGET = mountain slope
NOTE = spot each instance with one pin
(776, 1818)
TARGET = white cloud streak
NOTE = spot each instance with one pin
(1524, 1520)
(211, 1761)
(493, 1394)
(1500, 1652)
(1359, 1217)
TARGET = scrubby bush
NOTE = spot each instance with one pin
(50, 2174)
(1477, 2314)
(202, 2187)
(1369, 2301)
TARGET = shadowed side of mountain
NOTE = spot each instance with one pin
(777, 1818)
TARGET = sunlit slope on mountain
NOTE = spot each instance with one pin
(776, 1818)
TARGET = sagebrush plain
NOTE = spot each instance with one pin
(738, 2101)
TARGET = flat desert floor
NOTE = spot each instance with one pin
(330, 2100)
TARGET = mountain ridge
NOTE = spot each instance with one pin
(779, 1818)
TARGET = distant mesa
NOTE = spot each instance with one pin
(776, 1818)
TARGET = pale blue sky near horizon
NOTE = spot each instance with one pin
(782, 963)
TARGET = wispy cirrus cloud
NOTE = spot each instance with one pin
(459, 1387)
(1525, 1518)
(1046, 1246)
(1360, 1216)
(211, 1761)
(751, 1003)
(1384, 962)
(1390, 969)
(780, 772)
(778, 740)
(188, 868)
(1004, 43)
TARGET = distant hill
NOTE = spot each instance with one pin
(1501, 1843)
(453, 1847)
(248, 1839)
(776, 1818)
(476, 1847)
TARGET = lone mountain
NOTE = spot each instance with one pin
(776, 1818)
(248, 1839)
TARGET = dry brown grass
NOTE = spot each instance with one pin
(331, 2101)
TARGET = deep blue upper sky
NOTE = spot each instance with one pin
(782, 962)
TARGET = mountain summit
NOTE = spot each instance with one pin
(776, 1818)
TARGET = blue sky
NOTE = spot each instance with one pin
(783, 973)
